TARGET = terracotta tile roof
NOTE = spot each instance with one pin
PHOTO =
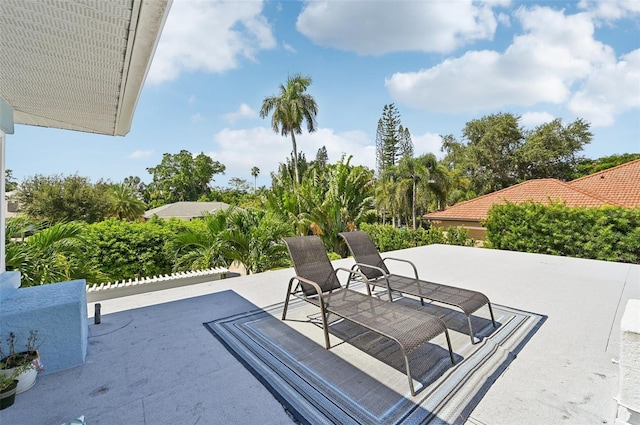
(619, 184)
(540, 190)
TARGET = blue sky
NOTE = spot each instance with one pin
(443, 63)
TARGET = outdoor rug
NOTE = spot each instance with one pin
(362, 379)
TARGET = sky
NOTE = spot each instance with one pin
(442, 63)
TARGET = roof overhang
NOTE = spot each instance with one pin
(77, 65)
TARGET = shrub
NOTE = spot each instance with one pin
(389, 238)
(124, 250)
(605, 233)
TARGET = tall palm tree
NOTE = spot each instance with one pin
(411, 170)
(290, 108)
(254, 172)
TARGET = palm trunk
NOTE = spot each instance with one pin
(295, 167)
(413, 206)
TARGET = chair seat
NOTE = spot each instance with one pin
(467, 300)
(410, 327)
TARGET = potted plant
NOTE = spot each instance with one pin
(8, 387)
(21, 365)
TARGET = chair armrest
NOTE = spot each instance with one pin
(415, 271)
(316, 287)
(352, 272)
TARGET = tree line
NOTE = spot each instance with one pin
(84, 229)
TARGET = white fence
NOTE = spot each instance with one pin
(104, 291)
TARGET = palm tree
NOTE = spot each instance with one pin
(290, 109)
(49, 255)
(203, 248)
(125, 204)
(254, 172)
(254, 238)
(338, 198)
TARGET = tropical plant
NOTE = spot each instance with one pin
(125, 204)
(48, 254)
(290, 109)
(202, 245)
(337, 199)
(254, 238)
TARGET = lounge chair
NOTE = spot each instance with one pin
(372, 265)
(318, 284)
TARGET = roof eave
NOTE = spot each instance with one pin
(146, 27)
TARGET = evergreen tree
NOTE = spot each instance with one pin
(322, 157)
(393, 141)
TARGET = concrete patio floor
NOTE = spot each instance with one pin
(152, 362)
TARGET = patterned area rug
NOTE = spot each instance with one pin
(362, 379)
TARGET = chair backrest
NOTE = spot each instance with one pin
(310, 261)
(364, 252)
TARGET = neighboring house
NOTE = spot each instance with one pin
(186, 210)
(619, 186)
(10, 205)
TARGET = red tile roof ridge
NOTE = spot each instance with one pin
(608, 170)
(480, 211)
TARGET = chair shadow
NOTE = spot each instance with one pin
(428, 362)
(455, 319)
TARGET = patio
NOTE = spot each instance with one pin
(151, 360)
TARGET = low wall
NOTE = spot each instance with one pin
(104, 291)
(58, 312)
(629, 390)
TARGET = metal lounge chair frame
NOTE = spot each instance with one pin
(372, 265)
(318, 284)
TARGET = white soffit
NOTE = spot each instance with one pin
(77, 64)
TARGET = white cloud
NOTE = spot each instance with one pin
(192, 99)
(197, 117)
(376, 27)
(140, 154)
(427, 143)
(244, 112)
(609, 90)
(210, 37)
(288, 47)
(555, 54)
(240, 150)
(533, 119)
(611, 9)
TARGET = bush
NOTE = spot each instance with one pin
(389, 238)
(605, 233)
(123, 250)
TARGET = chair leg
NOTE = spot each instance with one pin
(286, 301)
(326, 329)
(492, 318)
(470, 329)
(446, 334)
(406, 362)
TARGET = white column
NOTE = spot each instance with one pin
(3, 265)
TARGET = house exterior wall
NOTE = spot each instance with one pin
(475, 230)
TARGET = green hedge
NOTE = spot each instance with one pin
(123, 250)
(388, 238)
(605, 233)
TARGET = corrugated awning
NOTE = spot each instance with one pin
(77, 65)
